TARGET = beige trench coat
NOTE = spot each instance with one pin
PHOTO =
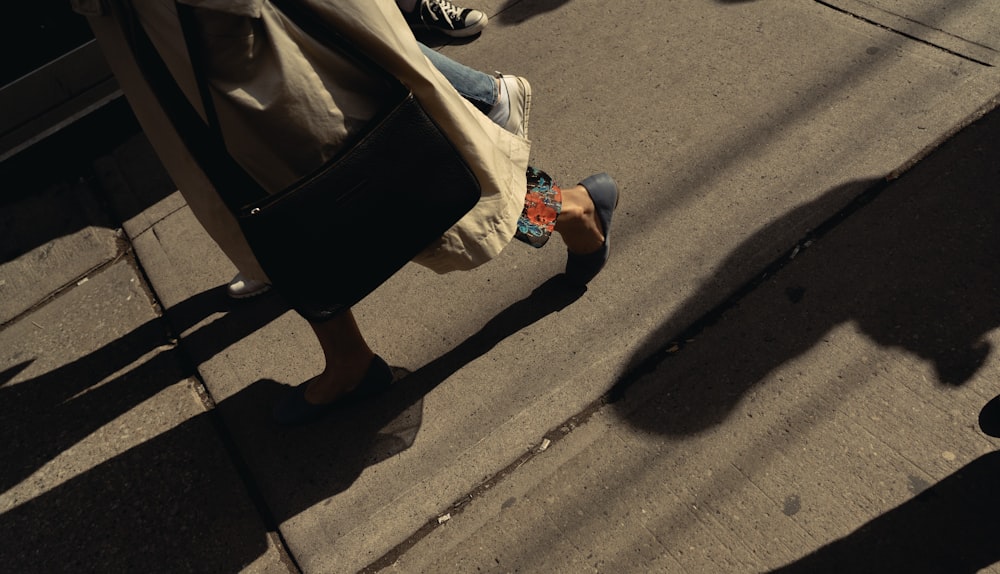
(286, 109)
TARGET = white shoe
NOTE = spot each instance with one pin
(242, 288)
(519, 100)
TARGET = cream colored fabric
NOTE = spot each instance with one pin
(285, 104)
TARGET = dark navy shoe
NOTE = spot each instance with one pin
(603, 190)
(293, 409)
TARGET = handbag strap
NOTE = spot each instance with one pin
(234, 185)
(333, 39)
(196, 57)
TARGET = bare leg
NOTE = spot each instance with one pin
(347, 354)
(347, 358)
(578, 223)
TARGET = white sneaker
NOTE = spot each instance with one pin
(242, 288)
(519, 99)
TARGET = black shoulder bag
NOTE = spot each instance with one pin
(334, 236)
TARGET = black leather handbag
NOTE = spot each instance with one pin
(334, 236)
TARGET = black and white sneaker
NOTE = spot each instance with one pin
(444, 17)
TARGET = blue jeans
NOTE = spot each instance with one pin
(543, 199)
(477, 87)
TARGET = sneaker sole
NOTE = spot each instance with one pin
(525, 107)
(471, 30)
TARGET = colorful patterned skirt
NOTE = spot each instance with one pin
(542, 204)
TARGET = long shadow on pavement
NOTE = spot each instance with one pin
(517, 11)
(299, 467)
(43, 416)
(916, 267)
(175, 503)
(171, 504)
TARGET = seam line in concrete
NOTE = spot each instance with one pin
(550, 438)
(905, 34)
(215, 418)
(240, 466)
(124, 249)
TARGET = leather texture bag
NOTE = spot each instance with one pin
(334, 236)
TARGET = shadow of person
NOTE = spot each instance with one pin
(176, 503)
(517, 11)
(917, 269)
(170, 504)
(299, 467)
(48, 414)
(949, 528)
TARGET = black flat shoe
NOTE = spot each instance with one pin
(293, 409)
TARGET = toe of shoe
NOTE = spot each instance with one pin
(603, 189)
(293, 408)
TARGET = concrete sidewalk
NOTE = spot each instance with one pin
(781, 368)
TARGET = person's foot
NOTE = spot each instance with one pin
(242, 288)
(518, 102)
(296, 408)
(444, 17)
(581, 268)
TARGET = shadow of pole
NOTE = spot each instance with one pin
(43, 416)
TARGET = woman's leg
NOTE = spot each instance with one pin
(505, 99)
(580, 214)
(570, 212)
(347, 357)
(578, 223)
(350, 366)
(480, 88)
(351, 370)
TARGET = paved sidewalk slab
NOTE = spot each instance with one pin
(721, 121)
(50, 238)
(716, 121)
(967, 28)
